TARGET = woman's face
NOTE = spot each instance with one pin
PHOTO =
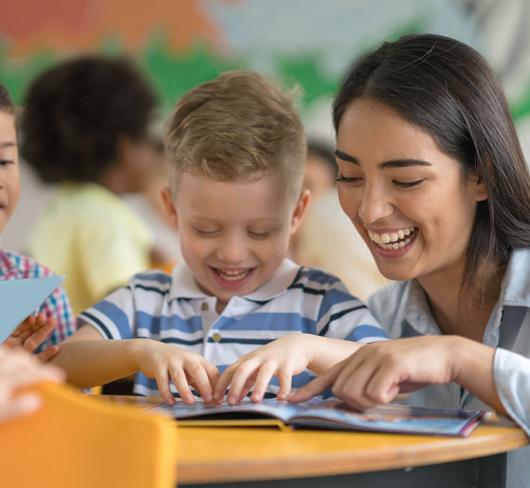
(409, 201)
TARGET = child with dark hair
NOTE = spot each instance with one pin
(85, 127)
(55, 321)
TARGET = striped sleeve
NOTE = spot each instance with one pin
(343, 316)
(113, 316)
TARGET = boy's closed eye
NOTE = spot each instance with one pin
(260, 234)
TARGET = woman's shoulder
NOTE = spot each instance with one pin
(389, 305)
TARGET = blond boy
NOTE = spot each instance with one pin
(237, 314)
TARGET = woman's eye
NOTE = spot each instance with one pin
(349, 180)
(5, 162)
(408, 184)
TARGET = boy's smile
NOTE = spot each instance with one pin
(9, 176)
(234, 235)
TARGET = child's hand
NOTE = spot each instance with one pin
(165, 362)
(19, 369)
(284, 357)
(31, 333)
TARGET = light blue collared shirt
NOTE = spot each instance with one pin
(403, 311)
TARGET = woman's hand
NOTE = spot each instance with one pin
(17, 370)
(31, 333)
(378, 372)
(165, 362)
(284, 357)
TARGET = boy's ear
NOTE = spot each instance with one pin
(170, 206)
(299, 210)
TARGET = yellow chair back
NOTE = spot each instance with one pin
(75, 441)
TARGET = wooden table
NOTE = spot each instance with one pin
(259, 457)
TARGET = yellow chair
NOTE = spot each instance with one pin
(75, 441)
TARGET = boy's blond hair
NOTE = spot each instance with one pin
(238, 127)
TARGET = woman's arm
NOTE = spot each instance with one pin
(378, 372)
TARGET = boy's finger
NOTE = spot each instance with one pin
(242, 374)
(162, 381)
(318, 385)
(285, 380)
(222, 383)
(181, 384)
(263, 379)
(212, 372)
(248, 386)
(201, 380)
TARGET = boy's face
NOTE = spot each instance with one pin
(234, 235)
(9, 178)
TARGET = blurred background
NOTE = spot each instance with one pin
(306, 43)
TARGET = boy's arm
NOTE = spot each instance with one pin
(88, 360)
(326, 352)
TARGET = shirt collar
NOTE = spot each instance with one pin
(183, 284)
(515, 290)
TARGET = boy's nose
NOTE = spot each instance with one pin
(232, 251)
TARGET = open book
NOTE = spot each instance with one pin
(327, 414)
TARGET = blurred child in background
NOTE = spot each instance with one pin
(326, 239)
(85, 127)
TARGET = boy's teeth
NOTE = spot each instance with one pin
(233, 274)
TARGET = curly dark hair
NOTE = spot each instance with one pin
(75, 112)
(6, 103)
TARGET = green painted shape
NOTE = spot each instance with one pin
(173, 74)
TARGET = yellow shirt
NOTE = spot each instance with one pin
(90, 235)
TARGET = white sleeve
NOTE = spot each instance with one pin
(511, 373)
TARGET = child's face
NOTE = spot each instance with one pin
(234, 235)
(9, 179)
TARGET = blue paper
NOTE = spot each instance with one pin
(21, 298)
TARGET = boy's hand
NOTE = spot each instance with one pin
(284, 357)
(31, 333)
(165, 362)
(19, 369)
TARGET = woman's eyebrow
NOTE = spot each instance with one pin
(395, 163)
(346, 157)
(404, 163)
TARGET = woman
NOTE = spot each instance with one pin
(433, 177)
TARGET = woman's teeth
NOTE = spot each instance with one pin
(393, 240)
(232, 274)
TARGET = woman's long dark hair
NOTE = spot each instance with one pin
(446, 88)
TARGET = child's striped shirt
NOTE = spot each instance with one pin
(173, 309)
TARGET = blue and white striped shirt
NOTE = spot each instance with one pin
(172, 309)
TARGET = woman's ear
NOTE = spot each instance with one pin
(481, 192)
(170, 206)
(302, 204)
